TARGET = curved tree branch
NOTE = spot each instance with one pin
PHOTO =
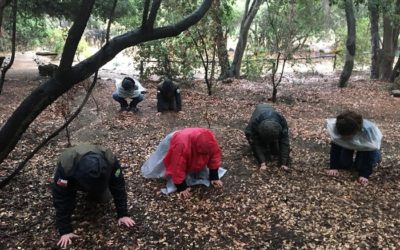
(48, 92)
(4, 182)
(68, 121)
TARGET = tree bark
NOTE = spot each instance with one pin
(389, 44)
(47, 93)
(373, 7)
(13, 46)
(3, 5)
(350, 44)
(387, 53)
(395, 71)
(248, 17)
(220, 41)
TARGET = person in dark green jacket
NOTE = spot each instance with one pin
(95, 171)
(268, 134)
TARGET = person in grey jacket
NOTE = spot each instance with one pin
(128, 88)
(352, 135)
(268, 134)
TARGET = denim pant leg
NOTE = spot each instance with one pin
(340, 157)
(366, 161)
(136, 100)
(119, 99)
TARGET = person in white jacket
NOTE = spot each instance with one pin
(128, 88)
(349, 132)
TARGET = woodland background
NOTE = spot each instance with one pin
(311, 59)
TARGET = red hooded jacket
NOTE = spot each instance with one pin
(190, 150)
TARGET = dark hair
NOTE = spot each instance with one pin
(128, 83)
(92, 173)
(348, 123)
(269, 130)
(167, 85)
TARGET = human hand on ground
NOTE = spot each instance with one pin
(263, 166)
(362, 180)
(217, 183)
(66, 239)
(284, 167)
(126, 221)
(185, 194)
(158, 113)
(333, 172)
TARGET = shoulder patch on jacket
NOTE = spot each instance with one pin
(118, 172)
(62, 182)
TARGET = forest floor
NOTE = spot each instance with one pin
(272, 209)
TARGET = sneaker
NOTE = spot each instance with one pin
(134, 109)
(122, 109)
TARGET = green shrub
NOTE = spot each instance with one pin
(363, 44)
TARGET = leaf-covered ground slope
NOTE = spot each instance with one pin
(302, 209)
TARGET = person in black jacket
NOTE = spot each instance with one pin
(268, 134)
(91, 169)
(168, 97)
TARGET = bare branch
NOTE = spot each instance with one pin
(75, 34)
(153, 13)
(110, 19)
(145, 13)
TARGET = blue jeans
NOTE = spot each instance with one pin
(342, 158)
(124, 103)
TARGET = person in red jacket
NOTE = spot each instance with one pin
(183, 156)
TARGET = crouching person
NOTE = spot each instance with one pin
(186, 157)
(268, 134)
(95, 171)
(128, 88)
(168, 97)
(351, 133)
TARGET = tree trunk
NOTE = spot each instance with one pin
(389, 45)
(13, 46)
(47, 93)
(326, 8)
(274, 93)
(3, 5)
(395, 71)
(248, 18)
(350, 44)
(387, 55)
(220, 41)
(373, 7)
